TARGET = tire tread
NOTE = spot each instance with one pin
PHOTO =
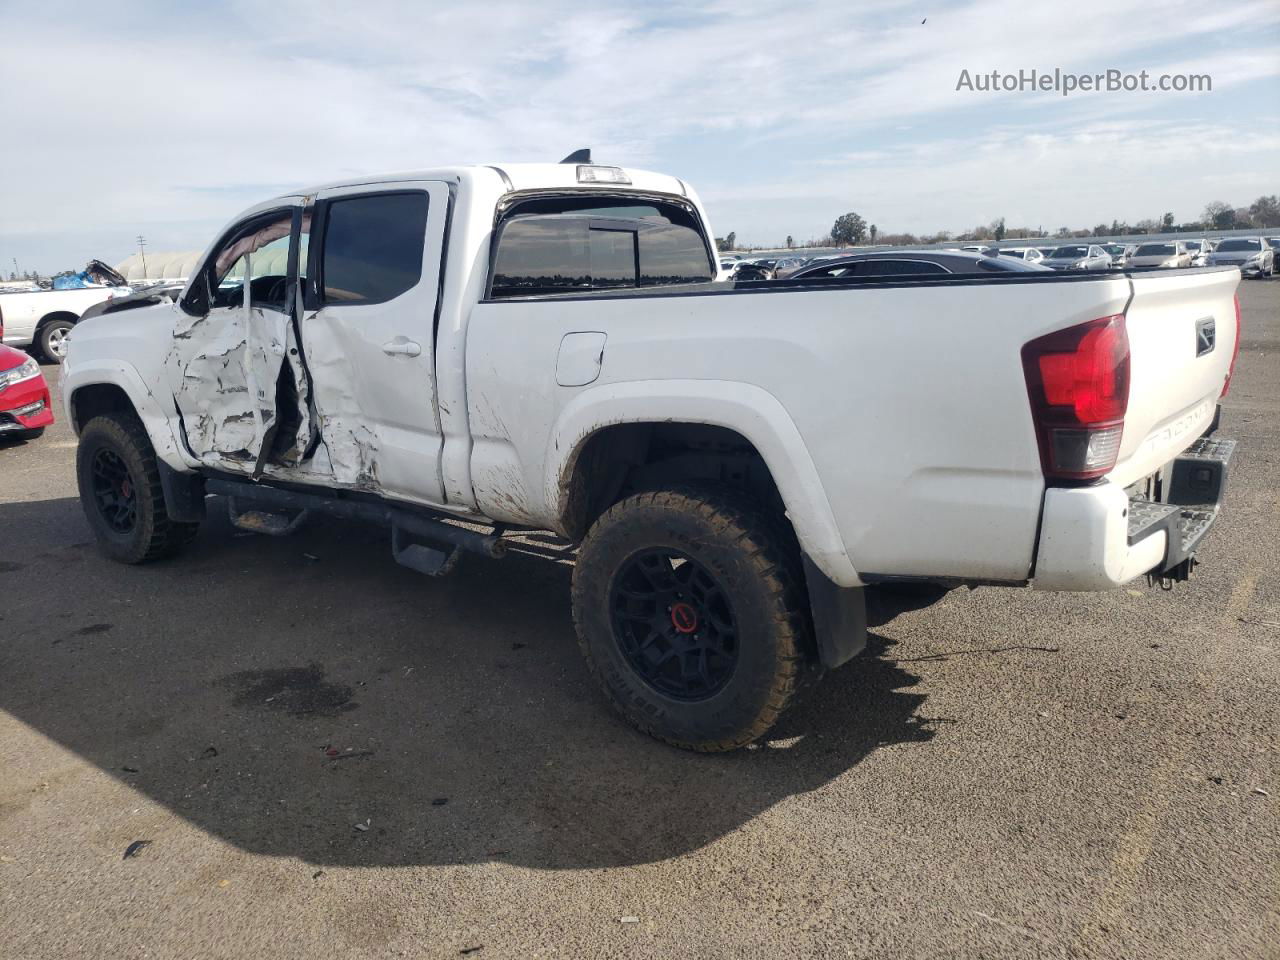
(769, 547)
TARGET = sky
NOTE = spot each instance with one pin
(167, 119)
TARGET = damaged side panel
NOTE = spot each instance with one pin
(226, 366)
(347, 454)
(235, 362)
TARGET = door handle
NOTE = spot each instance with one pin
(402, 347)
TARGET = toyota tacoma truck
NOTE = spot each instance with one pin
(468, 355)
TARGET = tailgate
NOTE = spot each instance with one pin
(1182, 335)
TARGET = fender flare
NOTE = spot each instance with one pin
(158, 417)
(745, 408)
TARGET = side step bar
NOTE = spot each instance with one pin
(420, 542)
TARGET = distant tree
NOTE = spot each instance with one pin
(1101, 230)
(1243, 217)
(1219, 216)
(1265, 211)
(12, 275)
(874, 231)
(997, 229)
(790, 242)
(849, 229)
(1063, 232)
(732, 240)
(1166, 222)
(1146, 226)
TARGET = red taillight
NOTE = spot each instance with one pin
(1078, 382)
(1235, 351)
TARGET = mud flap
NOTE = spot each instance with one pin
(839, 617)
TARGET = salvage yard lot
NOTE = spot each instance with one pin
(1007, 773)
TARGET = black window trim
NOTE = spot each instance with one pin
(312, 292)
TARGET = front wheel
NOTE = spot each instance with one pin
(689, 609)
(121, 495)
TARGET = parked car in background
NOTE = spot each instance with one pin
(1046, 252)
(1253, 255)
(1274, 244)
(43, 318)
(915, 263)
(1161, 254)
(1078, 256)
(980, 248)
(1029, 254)
(753, 270)
(25, 405)
(786, 266)
(1198, 251)
(1119, 253)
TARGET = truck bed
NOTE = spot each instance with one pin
(908, 393)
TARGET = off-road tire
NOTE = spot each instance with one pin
(754, 558)
(152, 535)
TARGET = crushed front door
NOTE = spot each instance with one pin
(235, 363)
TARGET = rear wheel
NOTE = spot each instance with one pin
(53, 339)
(689, 610)
(121, 495)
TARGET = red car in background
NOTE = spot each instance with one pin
(25, 405)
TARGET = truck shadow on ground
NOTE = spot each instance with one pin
(306, 697)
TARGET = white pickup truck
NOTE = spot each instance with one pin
(469, 354)
(43, 318)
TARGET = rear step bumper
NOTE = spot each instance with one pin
(1098, 537)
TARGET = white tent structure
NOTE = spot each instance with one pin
(168, 267)
(159, 266)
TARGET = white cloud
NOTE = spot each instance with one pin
(165, 119)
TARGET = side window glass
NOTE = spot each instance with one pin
(884, 268)
(257, 259)
(373, 247)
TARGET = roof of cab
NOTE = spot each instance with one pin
(518, 177)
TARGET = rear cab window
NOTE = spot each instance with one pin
(560, 245)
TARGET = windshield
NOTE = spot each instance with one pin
(1155, 250)
(1011, 253)
(1114, 249)
(1228, 246)
(1069, 253)
(1193, 244)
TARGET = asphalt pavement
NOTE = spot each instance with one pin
(324, 754)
